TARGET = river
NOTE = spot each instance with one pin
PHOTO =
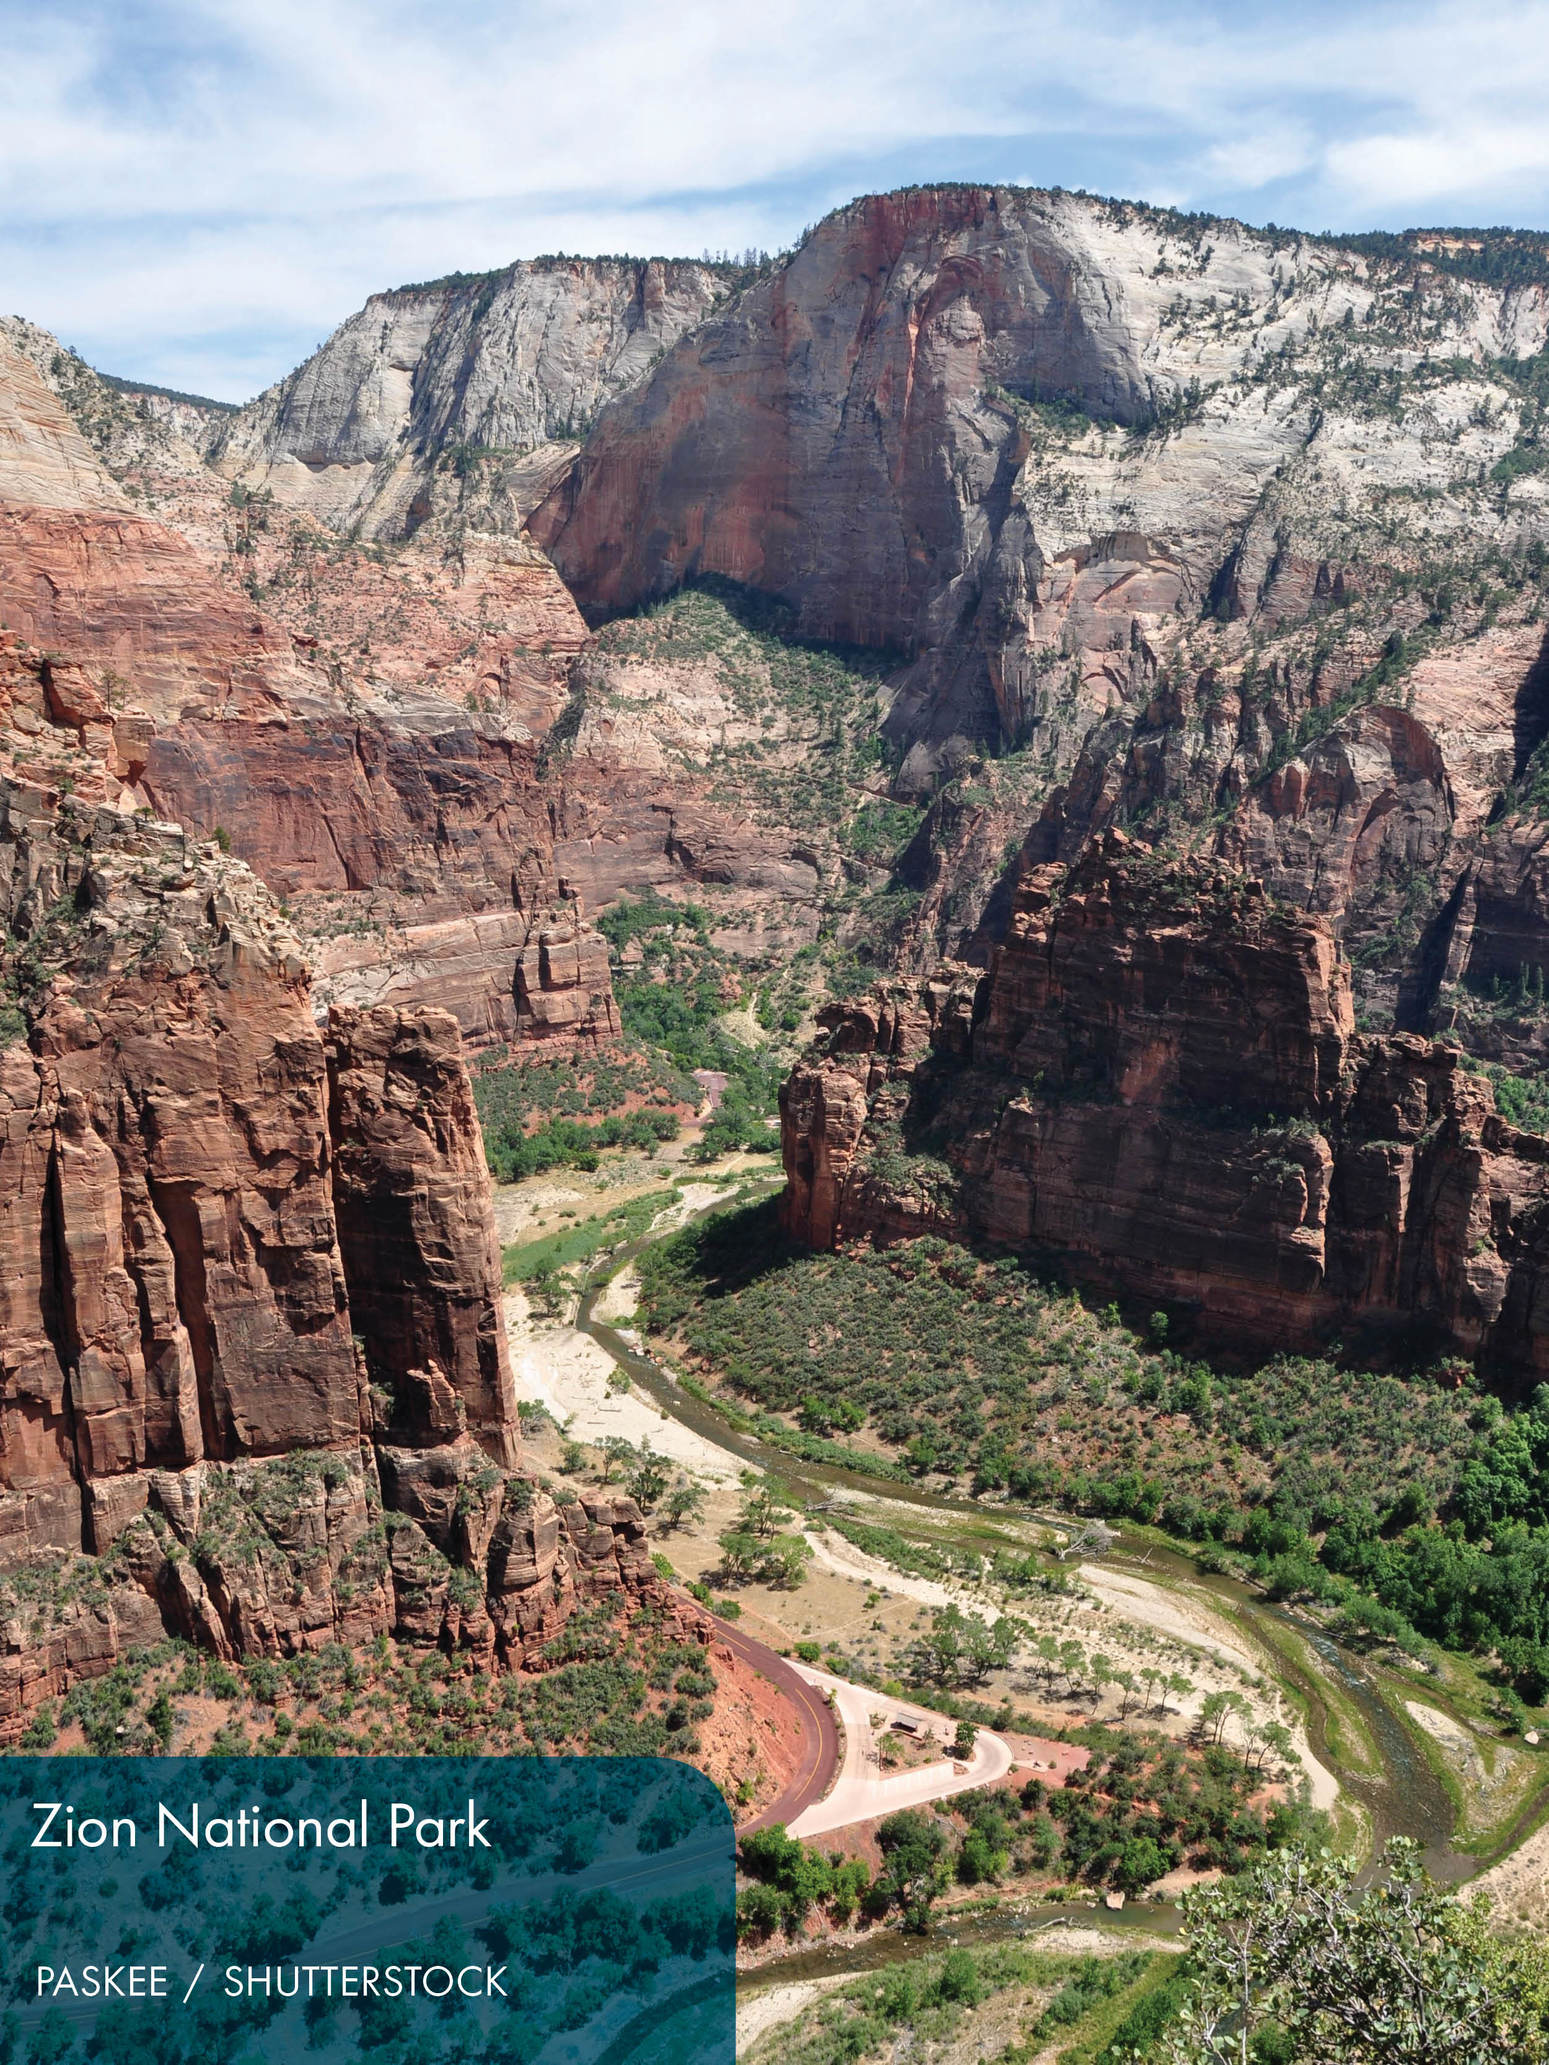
(1402, 1797)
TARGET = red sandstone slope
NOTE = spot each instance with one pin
(1159, 1077)
(165, 689)
(374, 735)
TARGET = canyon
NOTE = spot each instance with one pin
(1121, 633)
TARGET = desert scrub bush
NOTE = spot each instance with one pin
(1524, 1100)
(964, 1364)
(539, 1115)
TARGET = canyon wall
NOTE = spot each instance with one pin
(1003, 431)
(253, 1377)
(372, 729)
(492, 380)
(412, 833)
(1158, 1078)
(1228, 533)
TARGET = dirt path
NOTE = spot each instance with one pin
(758, 2013)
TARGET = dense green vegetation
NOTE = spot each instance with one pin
(610, 1689)
(916, 2009)
(980, 1367)
(539, 1115)
(1292, 1962)
(755, 1545)
(1142, 1806)
(1495, 257)
(1522, 1099)
(1147, 1806)
(529, 1261)
(1414, 1510)
(1314, 1967)
(674, 1002)
(1286, 1960)
(171, 394)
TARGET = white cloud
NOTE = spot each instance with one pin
(198, 189)
(1274, 151)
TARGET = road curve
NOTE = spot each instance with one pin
(820, 1738)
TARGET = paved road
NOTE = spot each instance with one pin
(820, 1738)
(861, 1792)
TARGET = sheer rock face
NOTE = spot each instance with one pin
(253, 1383)
(83, 575)
(564, 989)
(824, 437)
(505, 373)
(416, 1223)
(1119, 492)
(176, 1291)
(1159, 1076)
(853, 434)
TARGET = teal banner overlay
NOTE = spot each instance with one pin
(399, 1910)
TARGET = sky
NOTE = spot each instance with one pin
(195, 192)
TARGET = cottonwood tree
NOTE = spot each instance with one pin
(963, 1648)
(784, 1560)
(762, 1514)
(1217, 1710)
(1293, 1960)
(1048, 1653)
(914, 1863)
(617, 1454)
(646, 1478)
(739, 1553)
(684, 1501)
(1278, 1736)
(779, 1559)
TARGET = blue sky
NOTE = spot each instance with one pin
(197, 191)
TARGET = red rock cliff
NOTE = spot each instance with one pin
(1159, 1076)
(168, 689)
(201, 1205)
(416, 1224)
